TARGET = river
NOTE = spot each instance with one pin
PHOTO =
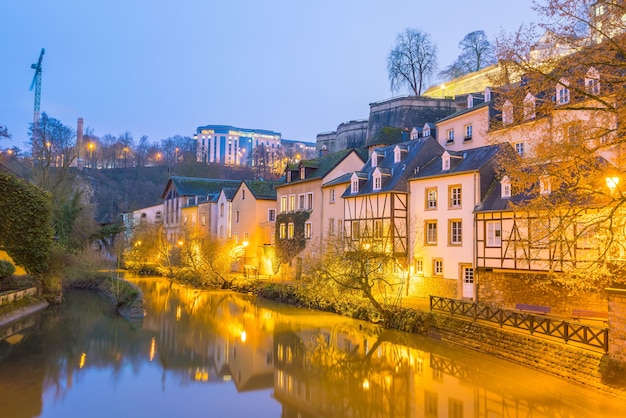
(223, 354)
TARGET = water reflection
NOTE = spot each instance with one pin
(198, 352)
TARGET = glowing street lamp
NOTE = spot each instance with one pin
(611, 183)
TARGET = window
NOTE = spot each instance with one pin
(505, 187)
(331, 226)
(562, 92)
(340, 227)
(374, 159)
(456, 230)
(378, 228)
(445, 161)
(243, 195)
(544, 185)
(237, 216)
(455, 408)
(454, 192)
(449, 136)
(431, 404)
(309, 201)
(246, 237)
(221, 210)
(283, 204)
(377, 181)
(282, 231)
(292, 202)
(438, 266)
(354, 230)
(221, 231)
(332, 195)
(419, 266)
(592, 81)
(529, 107)
(203, 220)
(301, 202)
(271, 215)
(519, 148)
(431, 232)
(302, 172)
(397, 154)
(355, 185)
(494, 234)
(468, 133)
(290, 231)
(507, 113)
(308, 229)
(431, 198)
(468, 275)
(288, 176)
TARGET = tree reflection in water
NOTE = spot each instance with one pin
(274, 360)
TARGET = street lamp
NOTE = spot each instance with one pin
(612, 183)
(91, 147)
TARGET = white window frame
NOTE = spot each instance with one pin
(377, 181)
(282, 231)
(455, 194)
(308, 230)
(283, 204)
(431, 198)
(562, 92)
(291, 230)
(355, 186)
(309, 201)
(468, 132)
(431, 232)
(493, 234)
(271, 215)
(437, 267)
(450, 136)
(332, 195)
(456, 232)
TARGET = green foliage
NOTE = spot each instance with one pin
(25, 231)
(7, 269)
(286, 248)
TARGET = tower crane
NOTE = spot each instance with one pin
(37, 85)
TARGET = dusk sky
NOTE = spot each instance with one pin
(164, 67)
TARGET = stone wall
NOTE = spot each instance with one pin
(579, 365)
(423, 287)
(16, 295)
(617, 324)
(508, 289)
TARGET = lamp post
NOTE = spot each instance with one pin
(91, 147)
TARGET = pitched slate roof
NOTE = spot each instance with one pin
(261, 189)
(318, 168)
(415, 153)
(461, 161)
(197, 186)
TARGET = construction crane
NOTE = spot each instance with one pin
(37, 85)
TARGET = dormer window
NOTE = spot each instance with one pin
(288, 176)
(426, 131)
(544, 185)
(507, 113)
(415, 134)
(354, 183)
(487, 94)
(505, 187)
(302, 172)
(529, 107)
(562, 92)
(376, 176)
(374, 158)
(470, 101)
(445, 161)
(592, 81)
(397, 154)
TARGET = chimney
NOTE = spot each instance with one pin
(79, 134)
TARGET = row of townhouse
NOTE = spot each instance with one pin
(433, 200)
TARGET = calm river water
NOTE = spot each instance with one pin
(221, 354)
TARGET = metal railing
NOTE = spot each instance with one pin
(565, 330)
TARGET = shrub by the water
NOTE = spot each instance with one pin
(7, 269)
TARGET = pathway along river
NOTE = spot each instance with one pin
(222, 354)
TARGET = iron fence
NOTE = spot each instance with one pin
(564, 330)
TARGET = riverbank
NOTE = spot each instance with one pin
(13, 311)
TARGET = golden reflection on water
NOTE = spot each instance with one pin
(314, 364)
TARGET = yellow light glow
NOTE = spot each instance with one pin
(179, 313)
(366, 246)
(245, 243)
(244, 336)
(612, 182)
(83, 360)
(366, 384)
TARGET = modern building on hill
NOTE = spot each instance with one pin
(229, 145)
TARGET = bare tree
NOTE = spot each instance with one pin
(569, 102)
(476, 53)
(412, 61)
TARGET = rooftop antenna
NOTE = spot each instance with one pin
(37, 85)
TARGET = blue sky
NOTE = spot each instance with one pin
(164, 67)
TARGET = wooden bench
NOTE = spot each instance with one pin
(533, 308)
(586, 314)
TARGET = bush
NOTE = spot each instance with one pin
(7, 269)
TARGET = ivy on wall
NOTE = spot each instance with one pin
(288, 248)
(25, 224)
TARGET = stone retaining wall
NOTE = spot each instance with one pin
(15, 295)
(579, 365)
